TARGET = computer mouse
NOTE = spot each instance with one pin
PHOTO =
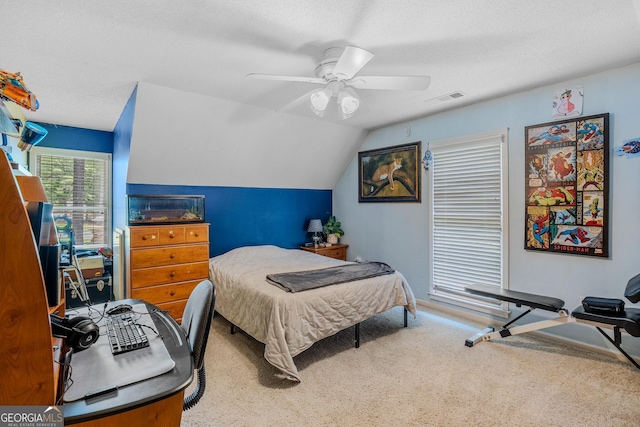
(120, 308)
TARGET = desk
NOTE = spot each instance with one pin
(155, 401)
(29, 371)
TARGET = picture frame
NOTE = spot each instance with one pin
(390, 174)
(567, 186)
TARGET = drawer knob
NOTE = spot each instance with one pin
(172, 274)
(171, 235)
(172, 256)
(172, 293)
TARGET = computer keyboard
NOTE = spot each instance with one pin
(125, 334)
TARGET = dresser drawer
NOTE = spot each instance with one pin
(197, 233)
(339, 253)
(170, 274)
(144, 236)
(172, 235)
(169, 235)
(165, 293)
(168, 255)
(174, 308)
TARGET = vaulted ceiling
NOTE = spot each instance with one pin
(82, 59)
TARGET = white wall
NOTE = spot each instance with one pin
(398, 233)
(182, 138)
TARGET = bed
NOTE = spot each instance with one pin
(290, 322)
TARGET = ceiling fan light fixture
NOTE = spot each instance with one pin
(340, 68)
(319, 101)
(348, 103)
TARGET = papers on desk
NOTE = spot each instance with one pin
(95, 371)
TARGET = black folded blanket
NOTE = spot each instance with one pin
(304, 280)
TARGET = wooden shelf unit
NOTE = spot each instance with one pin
(30, 376)
(27, 356)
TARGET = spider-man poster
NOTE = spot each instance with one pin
(567, 186)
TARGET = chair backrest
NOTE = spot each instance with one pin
(196, 319)
(632, 291)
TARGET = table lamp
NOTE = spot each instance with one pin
(315, 227)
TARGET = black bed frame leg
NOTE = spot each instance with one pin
(233, 329)
(357, 340)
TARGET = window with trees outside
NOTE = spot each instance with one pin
(78, 185)
(468, 218)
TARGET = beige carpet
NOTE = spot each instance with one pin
(422, 375)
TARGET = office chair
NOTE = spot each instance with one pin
(196, 322)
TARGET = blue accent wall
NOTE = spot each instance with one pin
(238, 216)
(252, 216)
(121, 146)
(72, 138)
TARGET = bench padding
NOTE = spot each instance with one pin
(518, 298)
(632, 291)
(629, 319)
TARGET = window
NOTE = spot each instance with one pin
(78, 185)
(468, 218)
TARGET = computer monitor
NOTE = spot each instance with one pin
(41, 218)
(46, 239)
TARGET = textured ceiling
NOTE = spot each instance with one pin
(83, 58)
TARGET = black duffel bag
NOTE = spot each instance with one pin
(606, 306)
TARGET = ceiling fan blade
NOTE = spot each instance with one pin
(391, 82)
(313, 80)
(351, 61)
(296, 102)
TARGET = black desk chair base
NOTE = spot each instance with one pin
(201, 383)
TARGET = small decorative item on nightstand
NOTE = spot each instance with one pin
(333, 230)
(315, 227)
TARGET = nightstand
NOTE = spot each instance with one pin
(336, 251)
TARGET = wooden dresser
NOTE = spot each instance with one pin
(165, 263)
(336, 251)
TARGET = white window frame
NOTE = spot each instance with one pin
(80, 154)
(455, 294)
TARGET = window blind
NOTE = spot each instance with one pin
(468, 218)
(77, 184)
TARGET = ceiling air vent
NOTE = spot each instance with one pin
(452, 95)
(448, 97)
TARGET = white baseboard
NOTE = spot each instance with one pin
(476, 317)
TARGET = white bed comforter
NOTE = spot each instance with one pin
(289, 323)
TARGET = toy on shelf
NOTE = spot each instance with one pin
(12, 88)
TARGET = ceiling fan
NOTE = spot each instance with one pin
(338, 73)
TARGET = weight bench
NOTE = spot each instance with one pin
(627, 320)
